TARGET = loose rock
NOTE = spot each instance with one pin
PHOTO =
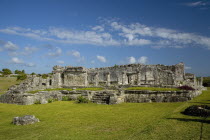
(25, 120)
(198, 110)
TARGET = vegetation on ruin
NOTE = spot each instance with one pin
(6, 82)
(206, 81)
(152, 88)
(82, 99)
(67, 120)
(54, 89)
(69, 89)
(91, 88)
(21, 77)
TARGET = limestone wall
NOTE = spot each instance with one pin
(138, 74)
(101, 97)
(160, 96)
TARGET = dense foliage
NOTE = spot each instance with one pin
(21, 77)
(6, 71)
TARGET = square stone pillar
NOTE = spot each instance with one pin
(86, 79)
(124, 78)
(96, 79)
(138, 78)
(201, 84)
(108, 78)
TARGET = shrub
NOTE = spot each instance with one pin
(44, 76)
(66, 98)
(21, 77)
(82, 99)
(50, 100)
(37, 102)
(185, 87)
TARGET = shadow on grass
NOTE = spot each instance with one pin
(199, 102)
(191, 120)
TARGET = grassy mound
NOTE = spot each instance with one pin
(152, 88)
(69, 89)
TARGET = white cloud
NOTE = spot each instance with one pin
(98, 28)
(9, 46)
(196, 4)
(16, 60)
(55, 53)
(143, 60)
(114, 33)
(187, 68)
(74, 53)
(60, 62)
(29, 50)
(101, 58)
(30, 65)
(131, 60)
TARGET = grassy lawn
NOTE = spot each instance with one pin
(152, 88)
(128, 121)
(6, 82)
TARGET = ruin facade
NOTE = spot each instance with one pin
(132, 74)
(119, 77)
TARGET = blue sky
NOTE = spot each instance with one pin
(36, 35)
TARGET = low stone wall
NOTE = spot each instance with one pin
(100, 97)
(137, 96)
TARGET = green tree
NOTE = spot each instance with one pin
(6, 71)
(18, 72)
(21, 77)
(33, 73)
(23, 71)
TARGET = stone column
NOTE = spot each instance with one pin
(108, 78)
(96, 79)
(138, 78)
(57, 80)
(86, 79)
(123, 78)
(201, 84)
(48, 82)
(195, 81)
(131, 79)
(145, 78)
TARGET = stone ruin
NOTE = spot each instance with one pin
(110, 78)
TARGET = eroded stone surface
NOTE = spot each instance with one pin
(25, 120)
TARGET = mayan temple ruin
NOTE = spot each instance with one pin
(112, 79)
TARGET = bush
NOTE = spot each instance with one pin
(37, 102)
(82, 99)
(21, 77)
(50, 100)
(66, 98)
(185, 87)
(44, 76)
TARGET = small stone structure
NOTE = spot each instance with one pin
(117, 76)
(25, 120)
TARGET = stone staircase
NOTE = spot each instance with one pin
(101, 98)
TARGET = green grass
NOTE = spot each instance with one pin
(54, 89)
(69, 89)
(6, 82)
(128, 121)
(90, 88)
(153, 88)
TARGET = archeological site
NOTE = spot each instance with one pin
(114, 83)
(104, 70)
